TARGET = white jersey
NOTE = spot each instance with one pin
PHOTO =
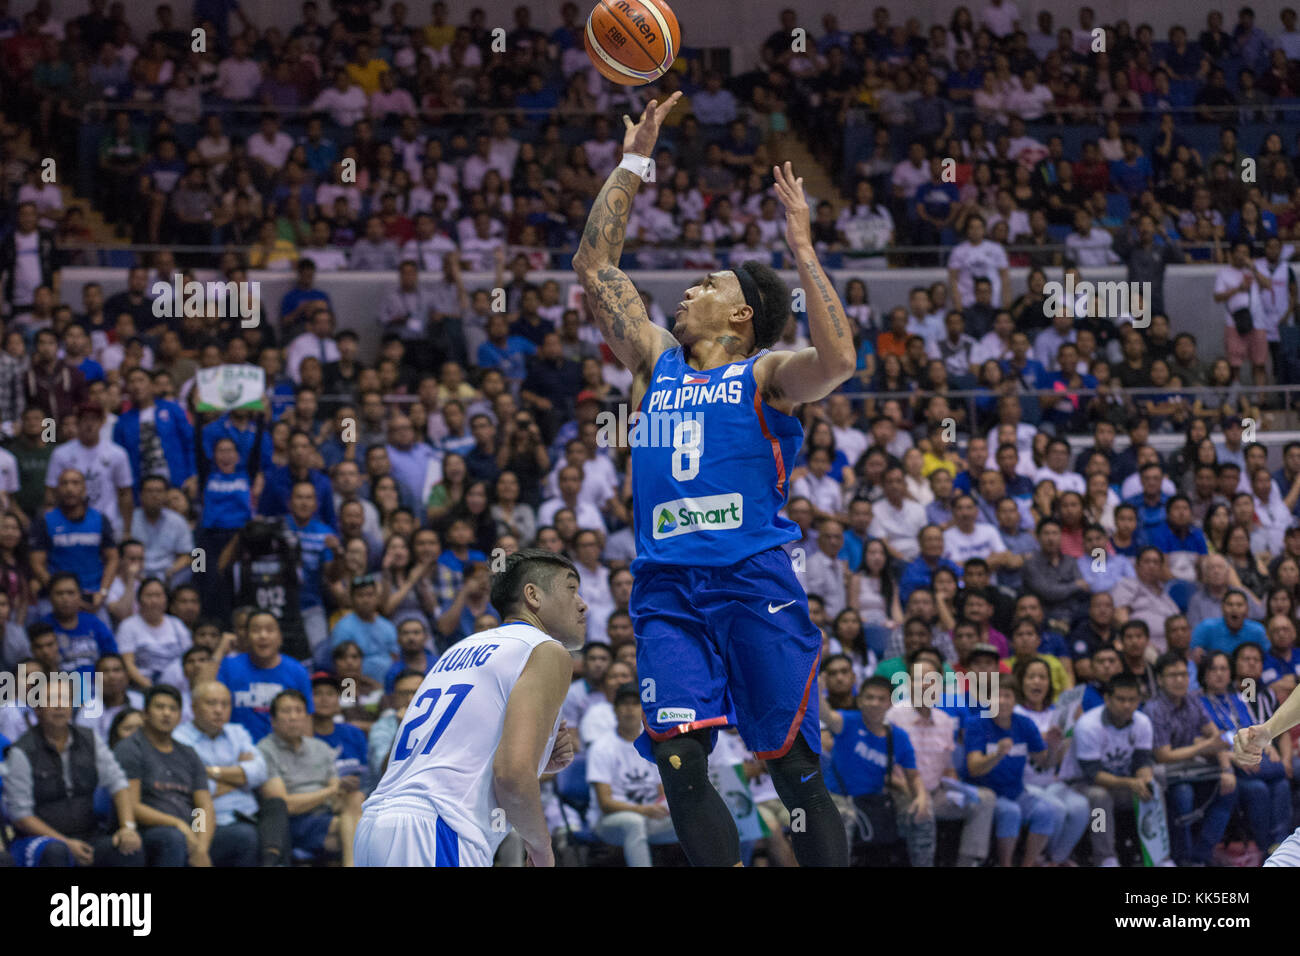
(445, 745)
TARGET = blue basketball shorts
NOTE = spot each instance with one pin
(727, 646)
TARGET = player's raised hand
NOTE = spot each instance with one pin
(1248, 746)
(798, 226)
(562, 753)
(640, 137)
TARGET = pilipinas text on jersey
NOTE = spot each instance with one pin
(710, 466)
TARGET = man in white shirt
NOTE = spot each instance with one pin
(317, 341)
(1029, 99)
(1057, 468)
(585, 513)
(269, 145)
(1288, 39)
(996, 343)
(344, 101)
(503, 148)
(428, 246)
(1088, 246)
(1049, 341)
(1001, 17)
(978, 257)
(1277, 297)
(896, 518)
(626, 787)
(911, 174)
(238, 76)
(601, 150)
(821, 487)
(825, 573)
(970, 538)
(593, 584)
(104, 465)
(849, 439)
(1237, 286)
(600, 480)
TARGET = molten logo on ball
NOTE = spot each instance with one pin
(637, 19)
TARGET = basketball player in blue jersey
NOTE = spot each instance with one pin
(721, 621)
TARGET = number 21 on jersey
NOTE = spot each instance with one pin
(429, 702)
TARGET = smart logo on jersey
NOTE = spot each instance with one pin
(674, 715)
(710, 513)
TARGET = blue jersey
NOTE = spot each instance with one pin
(74, 546)
(81, 645)
(227, 500)
(709, 466)
(1007, 778)
(314, 554)
(253, 688)
(349, 746)
(859, 759)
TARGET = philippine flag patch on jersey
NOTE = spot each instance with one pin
(690, 379)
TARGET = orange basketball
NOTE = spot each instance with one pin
(633, 42)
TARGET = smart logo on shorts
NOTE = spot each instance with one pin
(711, 513)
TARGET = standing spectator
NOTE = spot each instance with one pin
(26, 260)
(156, 434)
(73, 538)
(1244, 337)
(51, 384)
(104, 465)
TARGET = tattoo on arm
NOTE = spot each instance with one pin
(828, 297)
(607, 224)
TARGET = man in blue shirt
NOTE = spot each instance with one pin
(1151, 502)
(76, 539)
(281, 479)
(83, 638)
(919, 572)
(157, 435)
(347, 742)
(317, 543)
(254, 678)
(1132, 173)
(1180, 540)
(413, 655)
(862, 759)
(371, 632)
(1101, 572)
(996, 750)
(1227, 632)
(297, 302)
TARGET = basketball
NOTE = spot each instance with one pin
(632, 42)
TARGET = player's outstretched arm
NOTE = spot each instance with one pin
(810, 374)
(614, 302)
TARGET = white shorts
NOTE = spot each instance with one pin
(400, 832)
(1287, 853)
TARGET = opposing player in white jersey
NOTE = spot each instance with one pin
(1248, 751)
(484, 725)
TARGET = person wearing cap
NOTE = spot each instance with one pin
(365, 626)
(105, 466)
(634, 813)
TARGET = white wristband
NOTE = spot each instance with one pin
(643, 166)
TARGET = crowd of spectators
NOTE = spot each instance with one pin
(143, 541)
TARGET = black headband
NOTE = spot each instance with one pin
(749, 288)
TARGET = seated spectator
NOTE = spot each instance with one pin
(348, 743)
(997, 748)
(169, 791)
(257, 675)
(626, 790)
(1110, 760)
(51, 773)
(323, 807)
(1146, 596)
(1185, 739)
(1226, 632)
(384, 730)
(251, 817)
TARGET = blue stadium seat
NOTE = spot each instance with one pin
(574, 793)
(1181, 592)
(1058, 233)
(1117, 206)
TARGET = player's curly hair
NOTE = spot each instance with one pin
(530, 565)
(775, 295)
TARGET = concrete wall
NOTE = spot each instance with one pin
(1188, 293)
